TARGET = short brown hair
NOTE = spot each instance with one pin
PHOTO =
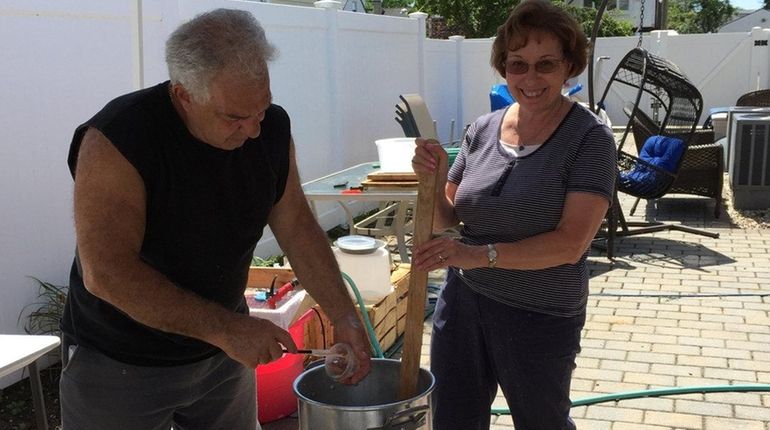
(540, 15)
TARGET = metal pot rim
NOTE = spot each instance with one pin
(376, 407)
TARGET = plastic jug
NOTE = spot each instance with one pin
(370, 272)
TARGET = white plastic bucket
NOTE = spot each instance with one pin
(395, 154)
(370, 272)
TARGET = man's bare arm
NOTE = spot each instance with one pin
(307, 247)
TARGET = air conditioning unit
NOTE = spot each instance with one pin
(749, 165)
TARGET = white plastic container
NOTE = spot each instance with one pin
(370, 272)
(395, 154)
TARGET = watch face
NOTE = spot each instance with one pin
(491, 252)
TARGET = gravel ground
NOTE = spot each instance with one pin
(745, 219)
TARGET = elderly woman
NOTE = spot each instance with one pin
(530, 186)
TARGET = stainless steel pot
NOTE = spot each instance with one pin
(373, 404)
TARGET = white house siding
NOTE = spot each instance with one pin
(758, 18)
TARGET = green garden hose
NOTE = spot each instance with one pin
(657, 393)
(365, 315)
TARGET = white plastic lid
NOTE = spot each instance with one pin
(356, 244)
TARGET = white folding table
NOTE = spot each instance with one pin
(344, 186)
(20, 351)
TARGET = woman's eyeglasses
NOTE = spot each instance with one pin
(518, 67)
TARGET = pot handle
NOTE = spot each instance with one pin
(408, 419)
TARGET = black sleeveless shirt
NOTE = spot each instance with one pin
(206, 210)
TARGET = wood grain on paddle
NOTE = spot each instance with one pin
(418, 283)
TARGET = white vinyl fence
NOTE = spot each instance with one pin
(338, 75)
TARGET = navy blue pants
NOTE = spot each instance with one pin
(478, 343)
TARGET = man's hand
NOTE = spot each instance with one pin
(252, 341)
(348, 329)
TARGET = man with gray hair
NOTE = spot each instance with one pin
(174, 185)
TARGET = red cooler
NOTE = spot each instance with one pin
(275, 398)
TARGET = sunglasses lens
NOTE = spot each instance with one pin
(542, 66)
(516, 67)
(546, 66)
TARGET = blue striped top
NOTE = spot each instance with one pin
(503, 198)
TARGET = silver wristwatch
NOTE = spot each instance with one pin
(491, 255)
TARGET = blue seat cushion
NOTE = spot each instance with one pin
(662, 152)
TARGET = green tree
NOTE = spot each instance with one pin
(698, 16)
(480, 18)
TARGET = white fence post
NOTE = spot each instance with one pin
(759, 59)
(659, 42)
(459, 85)
(421, 35)
(335, 78)
(137, 51)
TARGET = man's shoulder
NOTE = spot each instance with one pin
(276, 113)
(135, 98)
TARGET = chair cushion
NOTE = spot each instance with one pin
(662, 152)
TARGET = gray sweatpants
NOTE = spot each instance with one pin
(97, 392)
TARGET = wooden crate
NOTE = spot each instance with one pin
(261, 277)
(386, 316)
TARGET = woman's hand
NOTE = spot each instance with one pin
(443, 252)
(430, 157)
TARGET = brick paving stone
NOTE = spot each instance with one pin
(652, 357)
(613, 354)
(732, 374)
(677, 370)
(652, 379)
(726, 353)
(592, 424)
(677, 331)
(628, 366)
(752, 413)
(614, 413)
(755, 365)
(676, 349)
(636, 426)
(655, 322)
(716, 423)
(702, 341)
(633, 328)
(702, 325)
(600, 374)
(702, 361)
(687, 421)
(733, 398)
(611, 387)
(716, 334)
(748, 328)
(703, 408)
(686, 381)
(723, 318)
(654, 338)
(628, 345)
(748, 345)
(665, 404)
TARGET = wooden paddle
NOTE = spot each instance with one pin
(418, 284)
